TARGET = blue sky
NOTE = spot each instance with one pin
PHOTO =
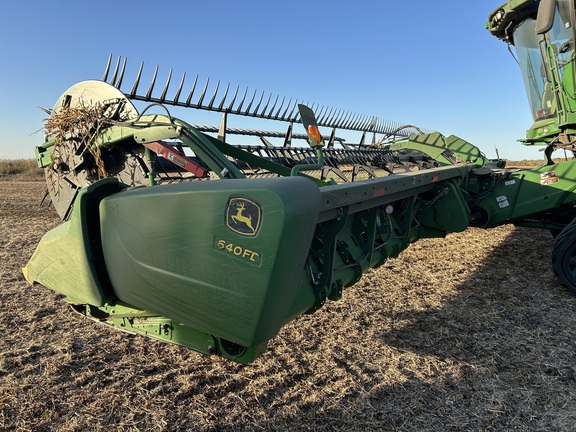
(432, 64)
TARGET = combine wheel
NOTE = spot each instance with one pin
(564, 256)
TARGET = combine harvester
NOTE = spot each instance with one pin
(172, 232)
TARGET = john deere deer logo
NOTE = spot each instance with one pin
(243, 216)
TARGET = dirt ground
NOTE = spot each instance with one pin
(471, 332)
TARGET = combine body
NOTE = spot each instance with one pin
(543, 33)
(171, 231)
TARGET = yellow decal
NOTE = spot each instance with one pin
(238, 251)
(243, 216)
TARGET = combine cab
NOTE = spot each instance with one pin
(179, 232)
(543, 35)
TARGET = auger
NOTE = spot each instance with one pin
(173, 232)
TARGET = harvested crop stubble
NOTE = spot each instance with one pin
(471, 332)
(84, 124)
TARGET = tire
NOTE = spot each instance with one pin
(564, 256)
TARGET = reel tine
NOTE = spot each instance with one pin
(347, 121)
(320, 113)
(273, 106)
(383, 127)
(338, 121)
(191, 92)
(177, 95)
(151, 88)
(333, 117)
(372, 125)
(121, 77)
(163, 95)
(294, 117)
(286, 110)
(352, 121)
(224, 97)
(234, 98)
(333, 121)
(199, 103)
(107, 70)
(113, 79)
(380, 127)
(214, 95)
(247, 111)
(266, 106)
(386, 128)
(362, 121)
(358, 120)
(259, 103)
(137, 81)
(328, 116)
(321, 109)
(242, 101)
(279, 108)
(320, 116)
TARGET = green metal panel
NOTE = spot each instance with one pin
(528, 192)
(362, 224)
(146, 323)
(448, 214)
(444, 150)
(221, 256)
(67, 259)
(545, 188)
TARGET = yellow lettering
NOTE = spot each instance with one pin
(237, 250)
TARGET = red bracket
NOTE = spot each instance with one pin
(176, 157)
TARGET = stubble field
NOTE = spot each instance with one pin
(471, 332)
